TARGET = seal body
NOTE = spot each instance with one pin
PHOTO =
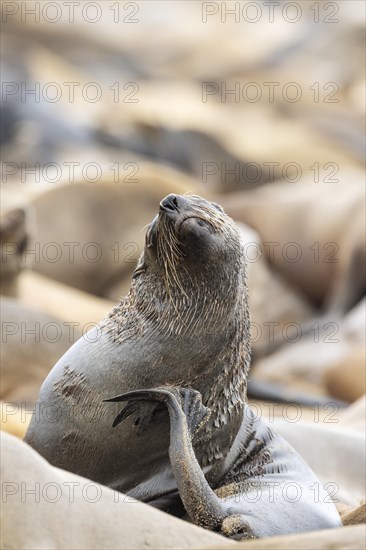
(72, 427)
(185, 324)
(268, 483)
(261, 478)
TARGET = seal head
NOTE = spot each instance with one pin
(190, 238)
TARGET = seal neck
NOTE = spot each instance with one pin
(208, 323)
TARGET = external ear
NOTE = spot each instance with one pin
(12, 226)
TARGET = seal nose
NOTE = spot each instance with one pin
(170, 204)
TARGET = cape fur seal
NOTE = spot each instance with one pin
(312, 233)
(13, 241)
(185, 326)
(97, 253)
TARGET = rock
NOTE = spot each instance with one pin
(47, 508)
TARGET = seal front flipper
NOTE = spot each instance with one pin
(187, 415)
(143, 412)
(144, 404)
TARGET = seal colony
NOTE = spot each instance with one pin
(177, 350)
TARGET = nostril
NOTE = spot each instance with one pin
(170, 203)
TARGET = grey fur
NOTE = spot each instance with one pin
(185, 323)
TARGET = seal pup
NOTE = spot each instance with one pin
(185, 323)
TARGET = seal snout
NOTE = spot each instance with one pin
(170, 204)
